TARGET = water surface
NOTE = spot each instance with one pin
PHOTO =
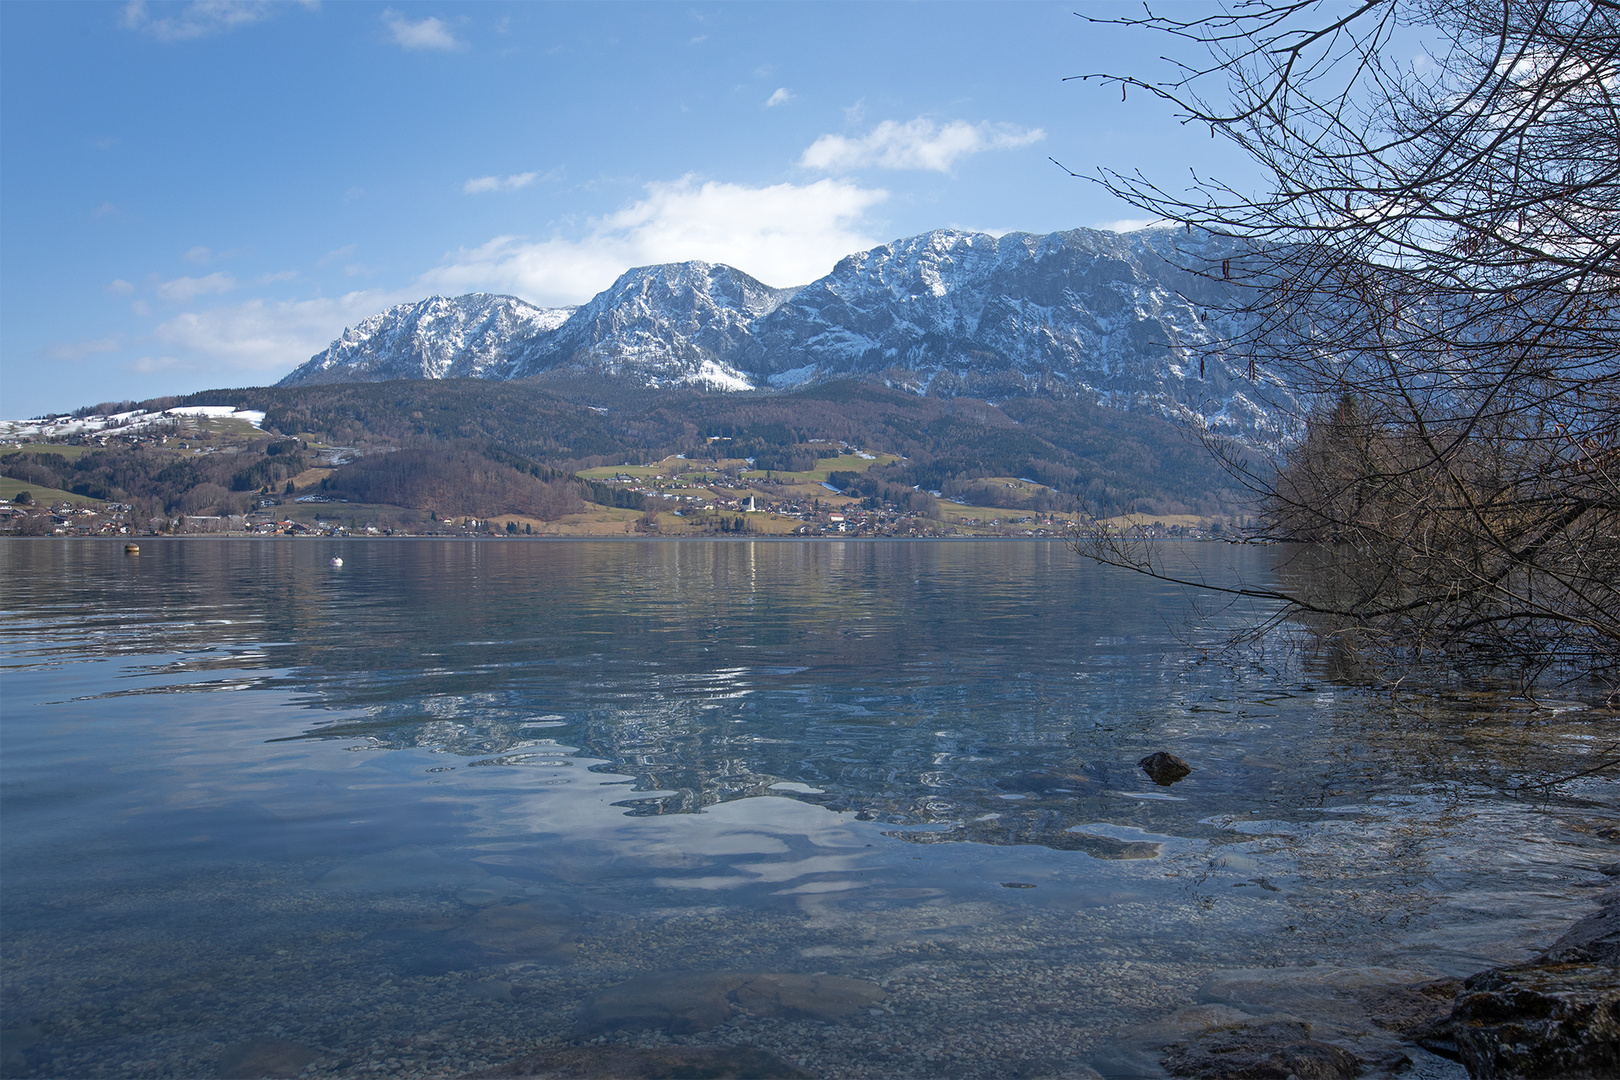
(420, 813)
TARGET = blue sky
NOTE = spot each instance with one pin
(198, 195)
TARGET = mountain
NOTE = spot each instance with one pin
(438, 338)
(685, 323)
(1108, 318)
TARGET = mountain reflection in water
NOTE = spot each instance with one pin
(425, 811)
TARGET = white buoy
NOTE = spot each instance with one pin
(336, 561)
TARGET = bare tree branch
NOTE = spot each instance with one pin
(1432, 267)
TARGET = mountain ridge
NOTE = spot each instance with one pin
(1116, 319)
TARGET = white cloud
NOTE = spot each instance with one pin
(498, 183)
(262, 335)
(279, 275)
(1124, 225)
(335, 254)
(79, 351)
(916, 144)
(106, 209)
(199, 254)
(430, 33)
(782, 96)
(200, 18)
(785, 234)
(118, 287)
(151, 365)
(183, 289)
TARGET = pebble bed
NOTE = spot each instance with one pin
(130, 981)
(974, 989)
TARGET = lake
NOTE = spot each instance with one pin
(852, 808)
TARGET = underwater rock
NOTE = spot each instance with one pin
(1043, 781)
(1419, 1011)
(530, 930)
(1042, 829)
(1268, 1024)
(13, 1041)
(686, 1003)
(1164, 769)
(629, 1063)
(679, 1004)
(265, 1057)
(1269, 1049)
(821, 997)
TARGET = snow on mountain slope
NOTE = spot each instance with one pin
(1085, 313)
(681, 323)
(472, 336)
(1108, 317)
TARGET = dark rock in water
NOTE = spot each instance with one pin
(1268, 1050)
(265, 1057)
(1540, 1021)
(1555, 1017)
(628, 1063)
(686, 1003)
(1164, 769)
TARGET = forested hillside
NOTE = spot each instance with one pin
(1110, 460)
(480, 448)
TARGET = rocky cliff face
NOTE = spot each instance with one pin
(1110, 318)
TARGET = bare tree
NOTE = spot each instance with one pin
(1431, 264)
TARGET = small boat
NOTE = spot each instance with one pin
(336, 561)
(132, 549)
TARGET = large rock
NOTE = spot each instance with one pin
(1553, 1021)
(1555, 1017)
(1164, 769)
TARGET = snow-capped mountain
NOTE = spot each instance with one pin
(438, 338)
(688, 323)
(1079, 313)
(1098, 315)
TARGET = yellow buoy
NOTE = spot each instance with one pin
(132, 549)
